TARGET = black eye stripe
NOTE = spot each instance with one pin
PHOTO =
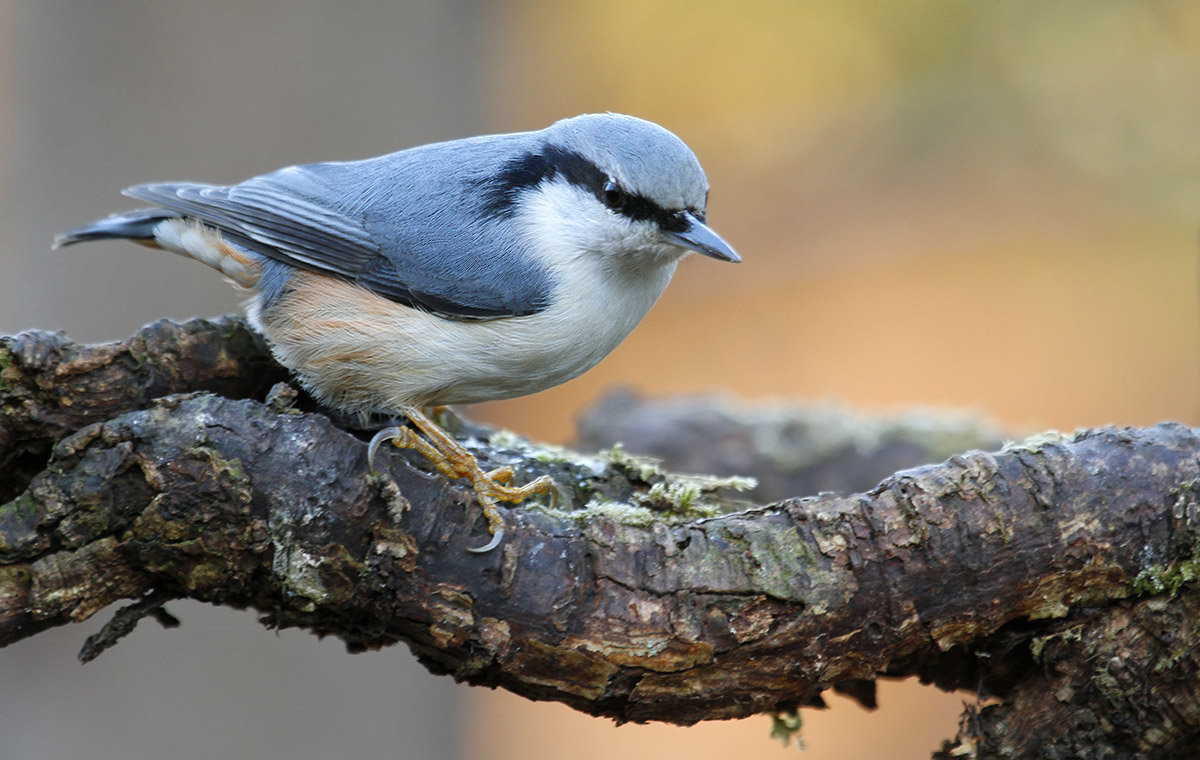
(529, 170)
(641, 208)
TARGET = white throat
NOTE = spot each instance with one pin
(607, 272)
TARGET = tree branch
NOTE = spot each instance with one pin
(1053, 575)
(50, 387)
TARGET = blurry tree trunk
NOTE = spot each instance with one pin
(1053, 578)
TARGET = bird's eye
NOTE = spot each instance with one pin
(614, 197)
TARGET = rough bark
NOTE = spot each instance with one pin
(51, 387)
(1052, 577)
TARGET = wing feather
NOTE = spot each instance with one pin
(405, 226)
(271, 222)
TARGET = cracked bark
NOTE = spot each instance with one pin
(1053, 577)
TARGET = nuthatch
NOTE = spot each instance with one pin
(452, 273)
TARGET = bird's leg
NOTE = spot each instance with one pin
(454, 461)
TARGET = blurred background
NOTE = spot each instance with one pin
(981, 206)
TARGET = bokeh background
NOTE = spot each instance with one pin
(982, 206)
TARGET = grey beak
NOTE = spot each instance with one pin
(700, 238)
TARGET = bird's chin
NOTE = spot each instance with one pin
(641, 262)
(662, 253)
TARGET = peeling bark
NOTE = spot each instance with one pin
(1054, 576)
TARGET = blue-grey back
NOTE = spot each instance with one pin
(409, 225)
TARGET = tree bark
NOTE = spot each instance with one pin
(1052, 577)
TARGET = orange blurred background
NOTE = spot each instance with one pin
(984, 206)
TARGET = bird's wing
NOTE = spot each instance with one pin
(295, 216)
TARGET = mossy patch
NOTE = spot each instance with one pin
(1034, 444)
(6, 362)
(1169, 579)
(785, 726)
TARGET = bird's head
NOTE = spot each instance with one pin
(612, 185)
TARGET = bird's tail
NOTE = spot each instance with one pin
(167, 230)
(132, 225)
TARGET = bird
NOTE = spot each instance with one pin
(456, 272)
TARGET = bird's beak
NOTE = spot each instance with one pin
(700, 238)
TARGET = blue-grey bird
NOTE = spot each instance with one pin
(451, 273)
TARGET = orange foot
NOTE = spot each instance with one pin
(454, 461)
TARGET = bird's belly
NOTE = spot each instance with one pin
(361, 353)
(515, 356)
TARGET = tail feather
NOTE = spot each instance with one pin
(132, 225)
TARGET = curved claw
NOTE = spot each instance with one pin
(497, 537)
(377, 440)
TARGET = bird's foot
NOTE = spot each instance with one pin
(454, 461)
